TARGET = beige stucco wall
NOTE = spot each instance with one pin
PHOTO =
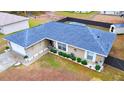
(80, 53)
(77, 52)
(99, 58)
(37, 47)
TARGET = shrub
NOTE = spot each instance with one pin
(73, 58)
(63, 54)
(97, 67)
(60, 53)
(67, 55)
(25, 57)
(84, 62)
(7, 47)
(53, 50)
(78, 59)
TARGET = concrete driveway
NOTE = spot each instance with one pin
(7, 60)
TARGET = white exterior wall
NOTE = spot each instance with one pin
(10, 28)
(117, 30)
(17, 48)
(111, 12)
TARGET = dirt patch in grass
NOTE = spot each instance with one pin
(108, 19)
(60, 69)
(118, 47)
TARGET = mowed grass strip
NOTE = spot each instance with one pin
(35, 22)
(76, 15)
(109, 73)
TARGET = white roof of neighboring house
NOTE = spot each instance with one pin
(6, 18)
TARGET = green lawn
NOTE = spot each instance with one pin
(35, 22)
(3, 43)
(109, 73)
(53, 67)
(77, 15)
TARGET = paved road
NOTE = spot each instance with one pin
(115, 62)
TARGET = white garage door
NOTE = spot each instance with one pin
(17, 48)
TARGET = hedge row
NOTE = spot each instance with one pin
(72, 57)
(53, 50)
(67, 55)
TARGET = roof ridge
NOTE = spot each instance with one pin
(26, 37)
(95, 39)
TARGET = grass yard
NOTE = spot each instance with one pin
(118, 47)
(76, 15)
(3, 43)
(34, 22)
(52, 67)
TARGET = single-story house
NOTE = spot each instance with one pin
(87, 43)
(10, 23)
(117, 28)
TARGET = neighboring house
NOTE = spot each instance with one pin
(117, 13)
(10, 23)
(87, 43)
(117, 28)
(82, 11)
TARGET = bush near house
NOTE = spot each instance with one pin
(60, 53)
(97, 67)
(67, 55)
(7, 47)
(72, 57)
(53, 50)
(63, 54)
(78, 59)
(25, 57)
(84, 62)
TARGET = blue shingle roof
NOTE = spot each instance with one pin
(118, 25)
(76, 35)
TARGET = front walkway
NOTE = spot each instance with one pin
(8, 59)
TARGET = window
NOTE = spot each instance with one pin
(90, 56)
(62, 46)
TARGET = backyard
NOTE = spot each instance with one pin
(89, 15)
(52, 67)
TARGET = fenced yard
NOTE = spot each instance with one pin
(52, 67)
